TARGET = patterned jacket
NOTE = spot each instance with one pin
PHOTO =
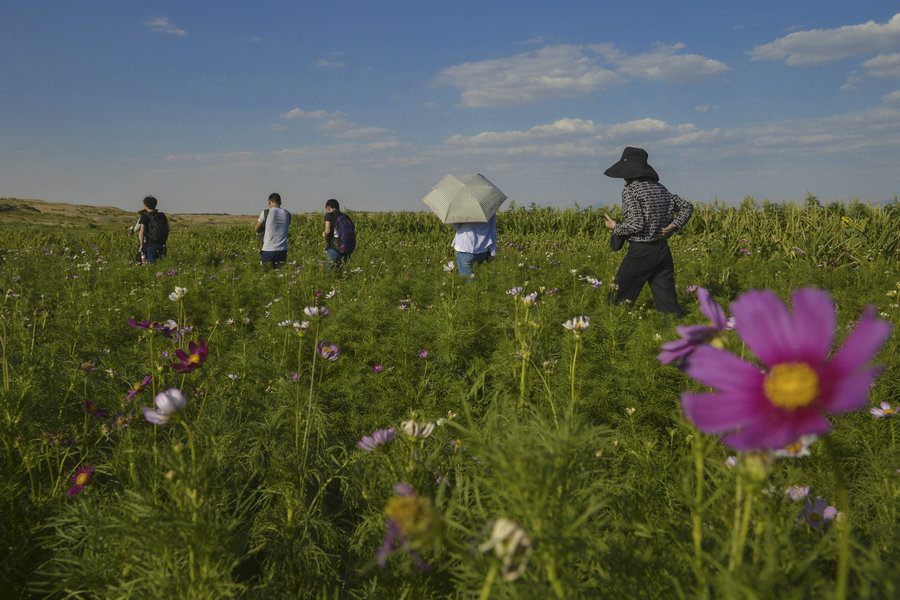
(649, 207)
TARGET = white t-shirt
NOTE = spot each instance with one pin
(276, 229)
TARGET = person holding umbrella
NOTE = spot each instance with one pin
(469, 204)
(474, 243)
(650, 218)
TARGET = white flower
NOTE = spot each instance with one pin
(796, 492)
(798, 449)
(511, 545)
(416, 431)
(448, 266)
(315, 311)
(301, 326)
(731, 461)
(630, 410)
(530, 299)
(178, 294)
(169, 404)
(330, 294)
(577, 324)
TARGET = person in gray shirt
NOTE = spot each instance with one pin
(652, 214)
(274, 223)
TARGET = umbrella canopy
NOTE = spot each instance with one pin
(464, 199)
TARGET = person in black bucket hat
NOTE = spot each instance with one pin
(650, 218)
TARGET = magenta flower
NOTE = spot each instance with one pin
(377, 368)
(328, 350)
(693, 336)
(167, 329)
(80, 479)
(93, 409)
(818, 513)
(799, 383)
(169, 405)
(137, 387)
(423, 354)
(379, 438)
(193, 358)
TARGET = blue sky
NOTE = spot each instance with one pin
(210, 106)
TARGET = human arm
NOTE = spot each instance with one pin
(327, 231)
(141, 232)
(634, 217)
(684, 209)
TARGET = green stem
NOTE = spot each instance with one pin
(736, 526)
(843, 524)
(697, 517)
(489, 582)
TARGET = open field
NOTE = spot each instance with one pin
(512, 459)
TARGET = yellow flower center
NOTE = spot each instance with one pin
(137, 385)
(194, 359)
(791, 385)
(81, 479)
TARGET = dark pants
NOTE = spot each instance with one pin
(648, 262)
(274, 257)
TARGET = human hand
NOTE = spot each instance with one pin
(610, 222)
(667, 230)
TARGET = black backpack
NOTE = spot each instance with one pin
(157, 229)
(345, 234)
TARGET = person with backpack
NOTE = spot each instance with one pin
(339, 234)
(273, 224)
(153, 232)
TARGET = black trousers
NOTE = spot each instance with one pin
(648, 262)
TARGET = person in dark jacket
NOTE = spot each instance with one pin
(652, 215)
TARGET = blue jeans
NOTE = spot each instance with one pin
(466, 260)
(336, 259)
(154, 253)
(276, 257)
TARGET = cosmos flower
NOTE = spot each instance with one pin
(188, 361)
(379, 438)
(448, 266)
(377, 368)
(514, 291)
(423, 354)
(796, 492)
(818, 513)
(693, 336)
(178, 294)
(412, 521)
(328, 350)
(511, 545)
(417, 431)
(577, 324)
(773, 406)
(168, 329)
(93, 409)
(169, 405)
(138, 386)
(80, 479)
(315, 311)
(883, 410)
(798, 449)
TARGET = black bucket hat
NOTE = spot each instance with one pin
(632, 165)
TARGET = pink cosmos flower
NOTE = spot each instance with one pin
(693, 336)
(192, 359)
(328, 350)
(80, 479)
(379, 438)
(137, 387)
(773, 406)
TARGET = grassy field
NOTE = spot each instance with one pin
(427, 437)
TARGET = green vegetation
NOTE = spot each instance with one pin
(259, 490)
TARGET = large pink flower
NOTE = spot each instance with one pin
(193, 358)
(799, 383)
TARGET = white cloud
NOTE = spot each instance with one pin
(892, 98)
(886, 66)
(705, 108)
(566, 71)
(523, 79)
(162, 25)
(299, 113)
(819, 46)
(665, 64)
(324, 63)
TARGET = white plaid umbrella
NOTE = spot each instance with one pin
(464, 199)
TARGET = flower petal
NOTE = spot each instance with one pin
(715, 413)
(723, 370)
(862, 344)
(814, 318)
(764, 324)
(846, 393)
(781, 429)
(711, 309)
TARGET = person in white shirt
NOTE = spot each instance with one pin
(474, 243)
(275, 222)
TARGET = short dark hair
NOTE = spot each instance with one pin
(150, 202)
(276, 198)
(332, 203)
